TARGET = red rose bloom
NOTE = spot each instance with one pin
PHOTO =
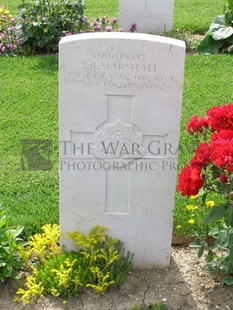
(190, 181)
(223, 178)
(223, 136)
(222, 149)
(222, 156)
(221, 117)
(196, 125)
(201, 157)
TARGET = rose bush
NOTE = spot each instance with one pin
(211, 171)
(44, 22)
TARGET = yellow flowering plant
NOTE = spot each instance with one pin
(41, 247)
(191, 221)
(99, 262)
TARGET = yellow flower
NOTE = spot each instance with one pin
(193, 197)
(178, 227)
(191, 221)
(191, 207)
(210, 203)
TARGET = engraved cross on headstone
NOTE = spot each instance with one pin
(119, 143)
(108, 148)
(117, 136)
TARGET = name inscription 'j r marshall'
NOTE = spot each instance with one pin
(120, 71)
(127, 67)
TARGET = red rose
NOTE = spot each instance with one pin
(190, 181)
(221, 117)
(223, 136)
(222, 149)
(223, 178)
(201, 157)
(222, 155)
(196, 125)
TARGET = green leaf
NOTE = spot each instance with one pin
(230, 49)
(30, 34)
(231, 238)
(215, 171)
(16, 232)
(209, 45)
(16, 264)
(217, 23)
(227, 17)
(215, 214)
(210, 255)
(194, 245)
(224, 266)
(201, 252)
(231, 254)
(203, 198)
(230, 39)
(222, 33)
(229, 216)
(228, 280)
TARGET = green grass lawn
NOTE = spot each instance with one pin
(189, 15)
(196, 15)
(29, 110)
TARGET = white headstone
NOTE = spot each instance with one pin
(151, 16)
(120, 106)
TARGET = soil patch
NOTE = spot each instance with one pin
(185, 285)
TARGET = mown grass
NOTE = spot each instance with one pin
(189, 15)
(196, 16)
(29, 110)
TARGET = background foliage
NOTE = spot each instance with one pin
(188, 15)
(44, 22)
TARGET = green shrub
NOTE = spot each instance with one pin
(220, 255)
(10, 261)
(44, 22)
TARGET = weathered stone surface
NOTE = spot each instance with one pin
(151, 16)
(120, 105)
